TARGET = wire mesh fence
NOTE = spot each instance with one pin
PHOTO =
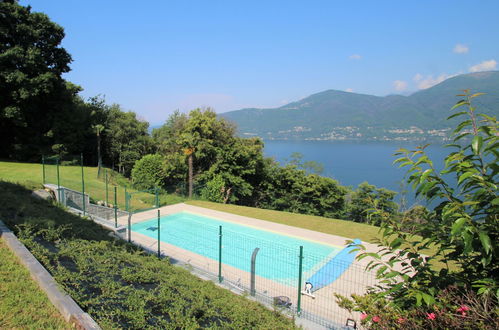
(104, 186)
(299, 277)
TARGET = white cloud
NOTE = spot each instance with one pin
(461, 49)
(400, 85)
(429, 81)
(484, 66)
(349, 90)
(355, 57)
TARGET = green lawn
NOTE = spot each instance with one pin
(22, 302)
(70, 177)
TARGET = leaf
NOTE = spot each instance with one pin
(459, 103)
(391, 274)
(462, 125)
(458, 225)
(396, 243)
(456, 114)
(464, 176)
(475, 95)
(468, 240)
(461, 136)
(418, 299)
(425, 175)
(429, 300)
(485, 239)
(398, 160)
(476, 144)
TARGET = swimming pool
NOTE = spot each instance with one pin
(278, 258)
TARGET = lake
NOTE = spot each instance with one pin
(352, 163)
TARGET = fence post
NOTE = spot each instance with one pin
(253, 262)
(126, 200)
(220, 278)
(58, 182)
(63, 197)
(43, 169)
(115, 207)
(157, 196)
(159, 237)
(129, 227)
(300, 264)
(83, 184)
(107, 194)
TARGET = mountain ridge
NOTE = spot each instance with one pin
(340, 115)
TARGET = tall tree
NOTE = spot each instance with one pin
(128, 139)
(32, 91)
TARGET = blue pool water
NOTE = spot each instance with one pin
(277, 259)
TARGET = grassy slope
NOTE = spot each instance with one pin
(343, 228)
(70, 177)
(22, 303)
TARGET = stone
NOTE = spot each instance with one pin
(42, 194)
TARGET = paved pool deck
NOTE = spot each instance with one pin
(354, 280)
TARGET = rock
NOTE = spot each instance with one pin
(43, 194)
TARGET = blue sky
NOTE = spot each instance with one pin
(153, 57)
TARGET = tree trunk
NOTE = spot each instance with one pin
(99, 158)
(190, 175)
(120, 166)
(227, 195)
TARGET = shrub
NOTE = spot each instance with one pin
(148, 172)
(215, 190)
(367, 197)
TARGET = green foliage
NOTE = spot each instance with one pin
(457, 309)
(175, 169)
(215, 190)
(310, 166)
(218, 155)
(240, 165)
(367, 198)
(118, 284)
(33, 95)
(291, 189)
(148, 172)
(462, 229)
(127, 138)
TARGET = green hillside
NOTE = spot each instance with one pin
(337, 115)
